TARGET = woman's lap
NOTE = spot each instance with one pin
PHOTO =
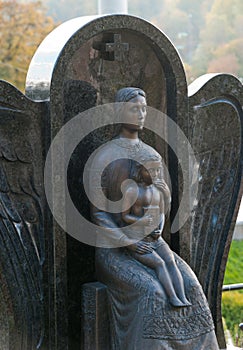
(118, 269)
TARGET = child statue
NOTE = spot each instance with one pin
(147, 211)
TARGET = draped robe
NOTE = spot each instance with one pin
(141, 316)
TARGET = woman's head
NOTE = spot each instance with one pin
(131, 107)
(128, 93)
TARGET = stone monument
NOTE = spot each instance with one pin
(81, 64)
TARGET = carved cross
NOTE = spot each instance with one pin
(117, 47)
(111, 48)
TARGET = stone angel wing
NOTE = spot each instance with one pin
(22, 241)
(215, 134)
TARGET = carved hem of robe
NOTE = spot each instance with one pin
(141, 316)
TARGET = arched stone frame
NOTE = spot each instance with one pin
(174, 102)
(174, 85)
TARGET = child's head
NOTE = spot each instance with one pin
(150, 171)
(147, 168)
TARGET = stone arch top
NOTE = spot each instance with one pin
(82, 60)
(48, 68)
(43, 62)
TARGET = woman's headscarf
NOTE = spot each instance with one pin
(128, 93)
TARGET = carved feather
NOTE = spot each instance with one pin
(22, 252)
(216, 136)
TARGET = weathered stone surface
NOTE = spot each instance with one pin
(23, 230)
(215, 133)
(150, 62)
(95, 322)
(74, 76)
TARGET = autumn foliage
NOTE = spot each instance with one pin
(207, 33)
(22, 28)
(220, 41)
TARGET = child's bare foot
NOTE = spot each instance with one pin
(185, 301)
(176, 302)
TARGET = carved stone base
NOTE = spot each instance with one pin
(95, 323)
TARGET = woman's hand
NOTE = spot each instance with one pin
(140, 247)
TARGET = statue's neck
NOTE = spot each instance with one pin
(129, 134)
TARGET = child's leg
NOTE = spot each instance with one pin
(167, 255)
(154, 261)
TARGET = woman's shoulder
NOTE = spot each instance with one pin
(150, 149)
(105, 153)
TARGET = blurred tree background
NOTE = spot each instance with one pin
(23, 25)
(208, 33)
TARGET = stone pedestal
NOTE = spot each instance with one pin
(95, 323)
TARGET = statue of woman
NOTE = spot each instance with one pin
(141, 316)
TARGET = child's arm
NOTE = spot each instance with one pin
(163, 187)
(128, 201)
(160, 227)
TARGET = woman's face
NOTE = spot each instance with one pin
(134, 113)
